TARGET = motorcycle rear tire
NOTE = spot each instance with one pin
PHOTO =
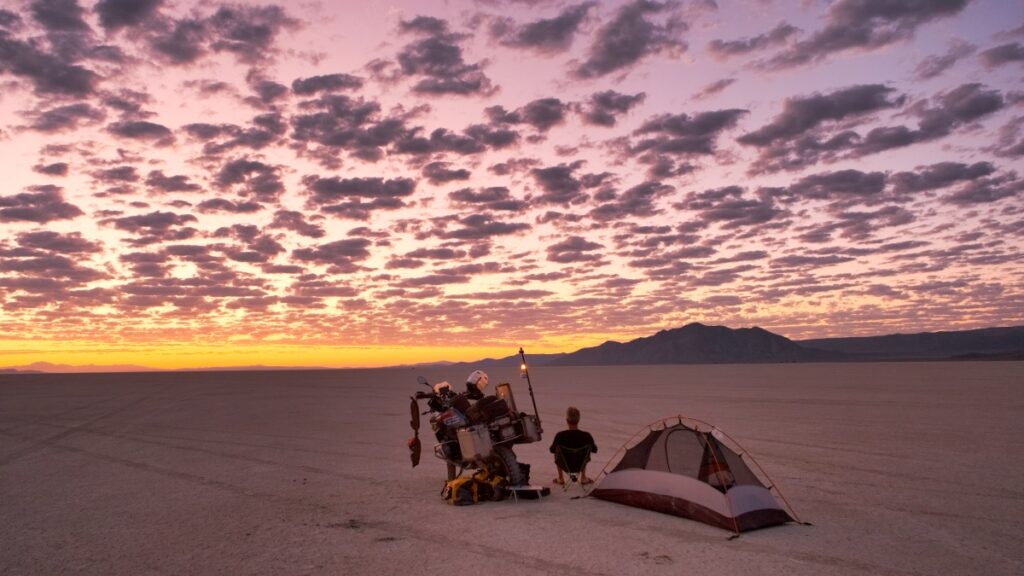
(508, 466)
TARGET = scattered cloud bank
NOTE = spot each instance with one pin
(507, 172)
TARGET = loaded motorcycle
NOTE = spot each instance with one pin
(474, 430)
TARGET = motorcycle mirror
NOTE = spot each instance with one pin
(423, 381)
(415, 411)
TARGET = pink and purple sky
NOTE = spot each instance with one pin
(193, 184)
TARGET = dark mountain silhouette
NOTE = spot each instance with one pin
(694, 343)
(701, 344)
(966, 344)
(698, 344)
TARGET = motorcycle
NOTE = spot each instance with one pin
(476, 435)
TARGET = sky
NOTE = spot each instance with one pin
(343, 184)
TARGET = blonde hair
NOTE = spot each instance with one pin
(572, 415)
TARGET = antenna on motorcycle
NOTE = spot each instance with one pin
(524, 372)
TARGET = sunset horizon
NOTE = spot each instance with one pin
(199, 185)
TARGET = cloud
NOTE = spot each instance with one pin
(53, 169)
(950, 110)
(116, 14)
(10, 20)
(714, 88)
(327, 190)
(414, 259)
(325, 83)
(1008, 143)
(490, 198)
(864, 25)
(542, 114)
(495, 138)
(1003, 54)
(343, 256)
(256, 178)
(50, 74)
(357, 197)
(682, 134)
(809, 261)
(223, 205)
(802, 114)
(152, 223)
(574, 249)
(247, 32)
(935, 65)
(41, 205)
(267, 91)
(436, 59)
(158, 134)
(258, 247)
(59, 15)
(440, 173)
(116, 174)
(266, 129)
(799, 136)
(296, 222)
(147, 264)
(862, 225)
(157, 181)
(637, 201)
(482, 227)
(339, 122)
(50, 266)
(559, 185)
(66, 118)
(603, 108)
(183, 43)
(837, 185)
(547, 35)
(731, 206)
(545, 113)
(70, 243)
(630, 37)
(936, 176)
(987, 190)
(724, 49)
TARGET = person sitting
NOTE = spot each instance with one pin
(572, 449)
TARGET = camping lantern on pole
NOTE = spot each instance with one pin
(524, 372)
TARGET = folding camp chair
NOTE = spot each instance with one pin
(572, 461)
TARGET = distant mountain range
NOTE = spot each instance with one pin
(701, 344)
(928, 345)
(50, 368)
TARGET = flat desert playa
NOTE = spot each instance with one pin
(903, 468)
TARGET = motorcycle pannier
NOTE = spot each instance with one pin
(475, 442)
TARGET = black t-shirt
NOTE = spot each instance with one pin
(573, 440)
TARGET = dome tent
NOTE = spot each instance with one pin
(688, 470)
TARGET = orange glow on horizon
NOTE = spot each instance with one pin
(185, 356)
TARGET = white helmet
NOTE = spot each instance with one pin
(442, 386)
(478, 378)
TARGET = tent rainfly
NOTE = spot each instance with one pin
(689, 471)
